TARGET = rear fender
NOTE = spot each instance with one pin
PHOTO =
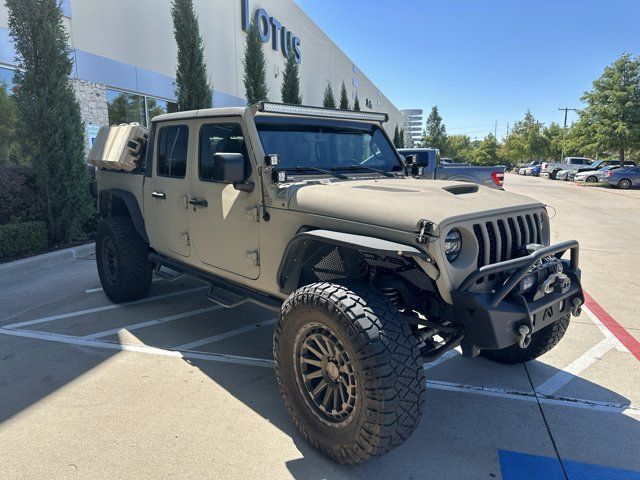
(115, 202)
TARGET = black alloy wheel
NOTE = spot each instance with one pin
(325, 374)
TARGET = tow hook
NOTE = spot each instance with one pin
(525, 336)
(577, 307)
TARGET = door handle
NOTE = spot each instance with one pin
(198, 202)
(158, 195)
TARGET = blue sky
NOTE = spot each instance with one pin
(482, 61)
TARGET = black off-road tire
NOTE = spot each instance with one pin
(541, 342)
(554, 175)
(121, 255)
(387, 370)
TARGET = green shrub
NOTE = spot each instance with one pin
(19, 197)
(22, 238)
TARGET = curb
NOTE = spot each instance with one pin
(28, 265)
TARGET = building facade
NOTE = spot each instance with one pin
(412, 124)
(125, 57)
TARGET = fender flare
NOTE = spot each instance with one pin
(294, 254)
(130, 202)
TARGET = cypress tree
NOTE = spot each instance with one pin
(356, 103)
(329, 100)
(49, 122)
(344, 100)
(402, 138)
(192, 87)
(396, 137)
(290, 90)
(255, 69)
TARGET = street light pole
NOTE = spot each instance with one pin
(564, 130)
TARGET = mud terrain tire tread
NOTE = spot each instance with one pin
(387, 355)
(135, 271)
(541, 342)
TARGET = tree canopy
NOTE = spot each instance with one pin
(290, 90)
(612, 112)
(328, 100)
(255, 67)
(193, 90)
(526, 140)
(344, 99)
(435, 133)
(356, 103)
(48, 114)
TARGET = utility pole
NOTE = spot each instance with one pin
(495, 130)
(564, 130)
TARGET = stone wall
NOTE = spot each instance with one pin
(93, 107)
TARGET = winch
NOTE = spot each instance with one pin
(545, 276)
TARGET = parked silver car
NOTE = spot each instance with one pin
(594, 176)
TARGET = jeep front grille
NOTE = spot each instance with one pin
(506, 238)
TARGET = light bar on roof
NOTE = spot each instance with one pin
(288, 109)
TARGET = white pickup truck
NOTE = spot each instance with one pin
(567, 163)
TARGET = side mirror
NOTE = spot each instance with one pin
(229, 167)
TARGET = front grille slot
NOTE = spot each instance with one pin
(506, 238)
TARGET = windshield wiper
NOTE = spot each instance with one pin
(365, 167)
(314, 169)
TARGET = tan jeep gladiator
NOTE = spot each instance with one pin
(312, 213)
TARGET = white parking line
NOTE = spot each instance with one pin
(100, 289)
(102, 309)
(149, 323)
(575, 368)
(84, 342)
(626, 409)
(222, 336)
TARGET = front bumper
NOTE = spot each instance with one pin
(492, 320)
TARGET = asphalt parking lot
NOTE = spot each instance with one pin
(174, 386)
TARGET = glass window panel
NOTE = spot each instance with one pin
(329, 146)
(172, 151)
(156, 106)
(6, 79)
(125, 108)
(227, 138)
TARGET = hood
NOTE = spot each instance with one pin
(399, 203)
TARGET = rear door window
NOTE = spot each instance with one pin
(173, 142)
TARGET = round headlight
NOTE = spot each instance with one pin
(452, 244)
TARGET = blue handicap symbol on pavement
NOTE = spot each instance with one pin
(523, 466)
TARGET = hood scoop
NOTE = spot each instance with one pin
(461, 189)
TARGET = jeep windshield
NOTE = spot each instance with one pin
(307, 145)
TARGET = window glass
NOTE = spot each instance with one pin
(156, 106)
(330, 146)
(227, 138)
(172, 151)
(125, 108)
(6, 79)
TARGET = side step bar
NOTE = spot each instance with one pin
(221, 291)
(168, 276)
